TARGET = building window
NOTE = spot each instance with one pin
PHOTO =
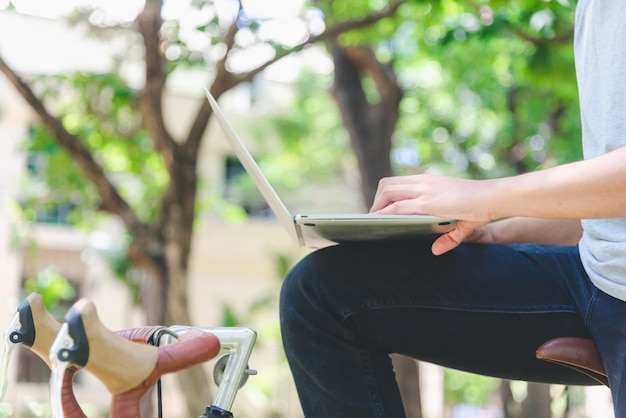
(239, 189)
(40, 210)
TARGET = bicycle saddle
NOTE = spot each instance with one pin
(580, 354)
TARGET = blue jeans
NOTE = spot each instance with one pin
(479, 308)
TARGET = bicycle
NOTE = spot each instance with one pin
(81, 341)
(66, 349)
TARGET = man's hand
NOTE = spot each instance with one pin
(465, 231)
(426, 194)
(449, 197)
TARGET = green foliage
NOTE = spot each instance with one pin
(229, 318)
(123, 270)
(100, 110)
(488, 83)
(467, 388)
(53, 288)
(489, 91)
(489, 87)
(313, 143)
(6, 410)
(336, 12)
(36, 409)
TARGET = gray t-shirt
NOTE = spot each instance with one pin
(600, 49)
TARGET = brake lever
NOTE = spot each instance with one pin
(60, 359)
(9, 345)
(21, 330)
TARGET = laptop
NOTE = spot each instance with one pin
(321, 230)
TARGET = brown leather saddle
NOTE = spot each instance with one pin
(580, 354)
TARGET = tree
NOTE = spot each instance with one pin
(482, 90)
(126, 122)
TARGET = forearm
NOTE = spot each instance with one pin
(594, 188)
(535, 230)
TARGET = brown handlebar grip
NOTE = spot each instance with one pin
(192, 348)
(142, 335)
(71, 409)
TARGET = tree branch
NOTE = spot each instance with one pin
(223, 79)
(227, 80)
(111, 200)
(151, 99)
(329, 34)
(561, 39)
(382, 74)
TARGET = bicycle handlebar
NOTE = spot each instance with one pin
(127, 369)
(129, 361)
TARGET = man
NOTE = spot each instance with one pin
(483, 297)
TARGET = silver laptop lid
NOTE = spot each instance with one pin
(253, 170)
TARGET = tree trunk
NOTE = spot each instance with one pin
(371, 126)
(537, 402)
(506, 397)
(408, 378)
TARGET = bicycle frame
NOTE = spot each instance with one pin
(238, 343)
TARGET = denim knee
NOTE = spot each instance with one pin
(292, 295)
(296, 288)
(307, 290)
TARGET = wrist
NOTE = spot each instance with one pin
(496, 197)
(510, 198)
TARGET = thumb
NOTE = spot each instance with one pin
(452, 239)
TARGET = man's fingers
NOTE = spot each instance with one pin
(444, 243)
(400, 207)
(391, 190)
(454, 238)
